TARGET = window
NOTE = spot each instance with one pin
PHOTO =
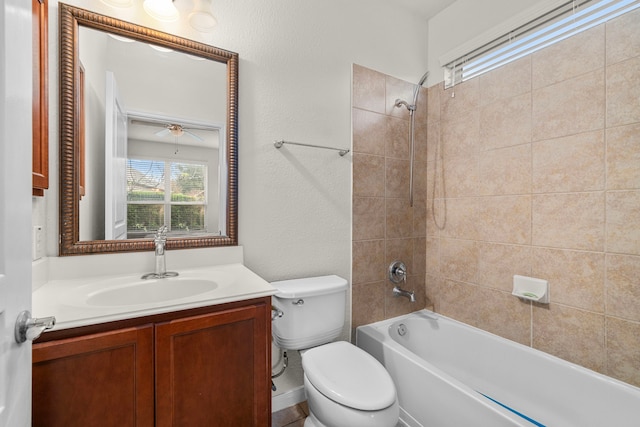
(562, 19)
(164, 192)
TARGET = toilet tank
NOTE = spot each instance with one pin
(313, 311)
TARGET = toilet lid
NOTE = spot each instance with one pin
(350, 376)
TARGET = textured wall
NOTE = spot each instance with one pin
(542, 178)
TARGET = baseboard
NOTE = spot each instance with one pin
(288, 398)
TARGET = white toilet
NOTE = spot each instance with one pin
(344, 385)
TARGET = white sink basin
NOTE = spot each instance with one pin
(134, 292)
(150, 291)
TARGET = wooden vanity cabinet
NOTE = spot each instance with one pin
(201, 367)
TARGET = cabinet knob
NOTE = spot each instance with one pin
(29, 328)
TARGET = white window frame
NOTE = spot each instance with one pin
(167, 188)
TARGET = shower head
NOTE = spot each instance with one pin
(402, 103)
(416, 90)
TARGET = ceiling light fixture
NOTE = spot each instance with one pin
(201, 17)
(162, 10)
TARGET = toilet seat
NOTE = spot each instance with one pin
(349, 376)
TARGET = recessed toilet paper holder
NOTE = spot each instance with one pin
(530, 288)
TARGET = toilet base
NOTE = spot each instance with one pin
(312, 421)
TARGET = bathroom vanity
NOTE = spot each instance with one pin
(195, 360)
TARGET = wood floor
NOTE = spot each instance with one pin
(292, 416)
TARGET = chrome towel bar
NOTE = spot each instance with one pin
(341, 151)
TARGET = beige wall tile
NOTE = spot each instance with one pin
(623, 37)
(420, 146)
(571, 163)
(506, 122)
(459, 217)
(622, 363)
(368, 261)
(571, 334)
(434, 148)
(368, 89)
(399, 218)
(579, 54)
(397, 178)
(623, 287)
(368, 175)
(569, 107)
(422, 106)
(436, 217)
(623, 157)
(623, 92)
(569, 220)
(575, 278)
(419, 256)
(419, 182)
(433, 256)
(505, 171)
(459, 100)
(506, 82)
(512, 320)
(461, 176)
(369, 132)
(368, 303)
(368, 218)
(460, 135)
(433, 100)
(505, 219)
(458, 301)
(623, 222)
(419, 218)
(397, 138)
(459, 260)
(498, 264)
(433, 286)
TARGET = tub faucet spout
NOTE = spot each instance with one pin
(399, 292)
(160, 240)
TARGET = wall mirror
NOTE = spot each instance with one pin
(148, 137)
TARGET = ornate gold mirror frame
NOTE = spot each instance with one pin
(70, 121)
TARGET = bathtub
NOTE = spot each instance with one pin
(451, 374)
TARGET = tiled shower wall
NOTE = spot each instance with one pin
(534, 169)
(385, 227)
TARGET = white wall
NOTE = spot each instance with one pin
(463, 21)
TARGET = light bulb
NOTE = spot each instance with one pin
(201, 17)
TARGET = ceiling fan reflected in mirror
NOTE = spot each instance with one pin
(177, 130)
(171, 129)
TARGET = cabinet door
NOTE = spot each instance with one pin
(103, 379)
(214, 369)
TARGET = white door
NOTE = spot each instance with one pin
(115, 163)
(15, 208)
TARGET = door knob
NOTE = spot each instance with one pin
(28, 328)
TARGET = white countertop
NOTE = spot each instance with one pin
(66, 299)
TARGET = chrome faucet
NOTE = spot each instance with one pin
(160, 240)
(397, 274)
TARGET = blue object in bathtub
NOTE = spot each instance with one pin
(520, 414)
